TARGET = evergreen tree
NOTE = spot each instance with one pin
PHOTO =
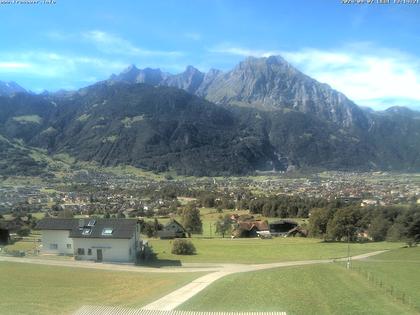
(191, 219)
(223, 225)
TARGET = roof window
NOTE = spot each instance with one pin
(107, 231)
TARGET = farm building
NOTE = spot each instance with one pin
(249, 228)
(282, 226)
(173, 229)
(286, 228)
(113, 240)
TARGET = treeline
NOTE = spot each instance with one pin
(284, 206)
(393, 223)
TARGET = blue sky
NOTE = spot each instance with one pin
(371, 52)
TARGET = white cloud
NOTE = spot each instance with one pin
(369, 78)
(193, 35)
(13, 66)
(56, 65)
(369, 75)
(112, 44)
(245, 52)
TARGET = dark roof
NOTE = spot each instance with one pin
(172, 221)
(249, 225)
(286, 221)
(57, 224)
(121, 228)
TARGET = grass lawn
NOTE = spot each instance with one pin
(399, 269)
(28, 244)
(319, 289)
(35, 289)
(264, 251)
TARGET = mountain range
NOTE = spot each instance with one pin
(263, 115)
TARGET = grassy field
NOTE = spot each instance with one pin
(398, 269)
(318, 289)
(264, 251)
(35, 289)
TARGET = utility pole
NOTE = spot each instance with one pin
(348, 248)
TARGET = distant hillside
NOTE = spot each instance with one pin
(265, 115)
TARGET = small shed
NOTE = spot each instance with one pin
(173, 229)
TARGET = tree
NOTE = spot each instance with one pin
(148, 229)
(413, 232)
(23, 231)
(318, 221)
(120, 215)
(208, 200)
(157, 226)
(191, 219)
(56, 207)
(223, 225)
(378, 228)
(344, 224)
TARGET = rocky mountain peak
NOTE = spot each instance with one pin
(268, 83)
(10, 88)
(131, 69)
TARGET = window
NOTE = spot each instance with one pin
(86, 231)
(80, 251)
(107, 231)
(53, 246)
(91, 222)
(89, 251)
(68, 246)
(129, 252)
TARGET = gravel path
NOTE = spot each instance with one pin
(174, 299)
(181, 295)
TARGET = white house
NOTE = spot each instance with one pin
(113, 240)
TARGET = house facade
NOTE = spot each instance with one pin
(112, 240)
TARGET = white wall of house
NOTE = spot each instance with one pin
(113, 250)
(56, 242)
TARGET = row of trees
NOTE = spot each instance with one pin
(392, 223)
(285, 206)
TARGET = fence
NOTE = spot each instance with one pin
(379, 283)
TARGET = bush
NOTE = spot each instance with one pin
(145, 254)
(183, 247)
(24, 232)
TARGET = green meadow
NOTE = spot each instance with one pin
(322, 289)
(251, 251)
(36, 289)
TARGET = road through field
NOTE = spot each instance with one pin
(172, 300)
(177, 297)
